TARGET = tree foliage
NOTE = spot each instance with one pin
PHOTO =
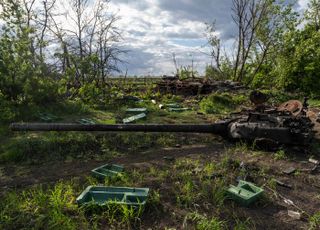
(42, 57)
(299, 61)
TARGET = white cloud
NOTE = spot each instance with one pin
(153, 33)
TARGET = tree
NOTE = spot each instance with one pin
(220, 66)
(21, 78)
(88, 46)
(312, 15)
(299, 60)
(260, 27)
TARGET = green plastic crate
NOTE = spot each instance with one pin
(136, 110)
(178, 109)
(86, 121)
(102, 195)
(244, 193)
(107, 170)
(173, 105)
(47, 117)
(134, 118)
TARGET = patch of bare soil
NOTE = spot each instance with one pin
(17, 176)
(304, 191)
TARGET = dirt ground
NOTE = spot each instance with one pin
(304, 192)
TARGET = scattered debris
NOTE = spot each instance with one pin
(244, 193)
(195, 86)
(107, 170)
(288, 202)
(102, 195)
(313, 161)
(312, 170)
(134, 118)
(294, 215)
(295, 107)
(283, 184)
(289, 170)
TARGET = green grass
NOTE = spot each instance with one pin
(314, 221)
(42, 208)
(280, 155)
(55, 208)
(221, 103)
(184, 188)
(202, 222)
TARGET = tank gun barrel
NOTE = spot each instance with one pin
(289, 131)
(217, 128)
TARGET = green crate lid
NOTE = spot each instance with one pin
(134, 118)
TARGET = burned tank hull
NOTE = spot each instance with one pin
(275, 127)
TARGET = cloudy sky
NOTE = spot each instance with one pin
(154, 29)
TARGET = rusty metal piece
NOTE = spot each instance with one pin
(295, 107)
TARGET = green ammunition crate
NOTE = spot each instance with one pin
(136, 110)
(108, 170)
(102, 195)
(244, 193)
(86, 121)
(134, 118)
(47, 117)
(178, 109)
(173, 105)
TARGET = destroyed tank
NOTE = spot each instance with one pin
(285, 125)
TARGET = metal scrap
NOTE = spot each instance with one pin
(295, 107)
(195, 86)
(280, 183)
(289, 170)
